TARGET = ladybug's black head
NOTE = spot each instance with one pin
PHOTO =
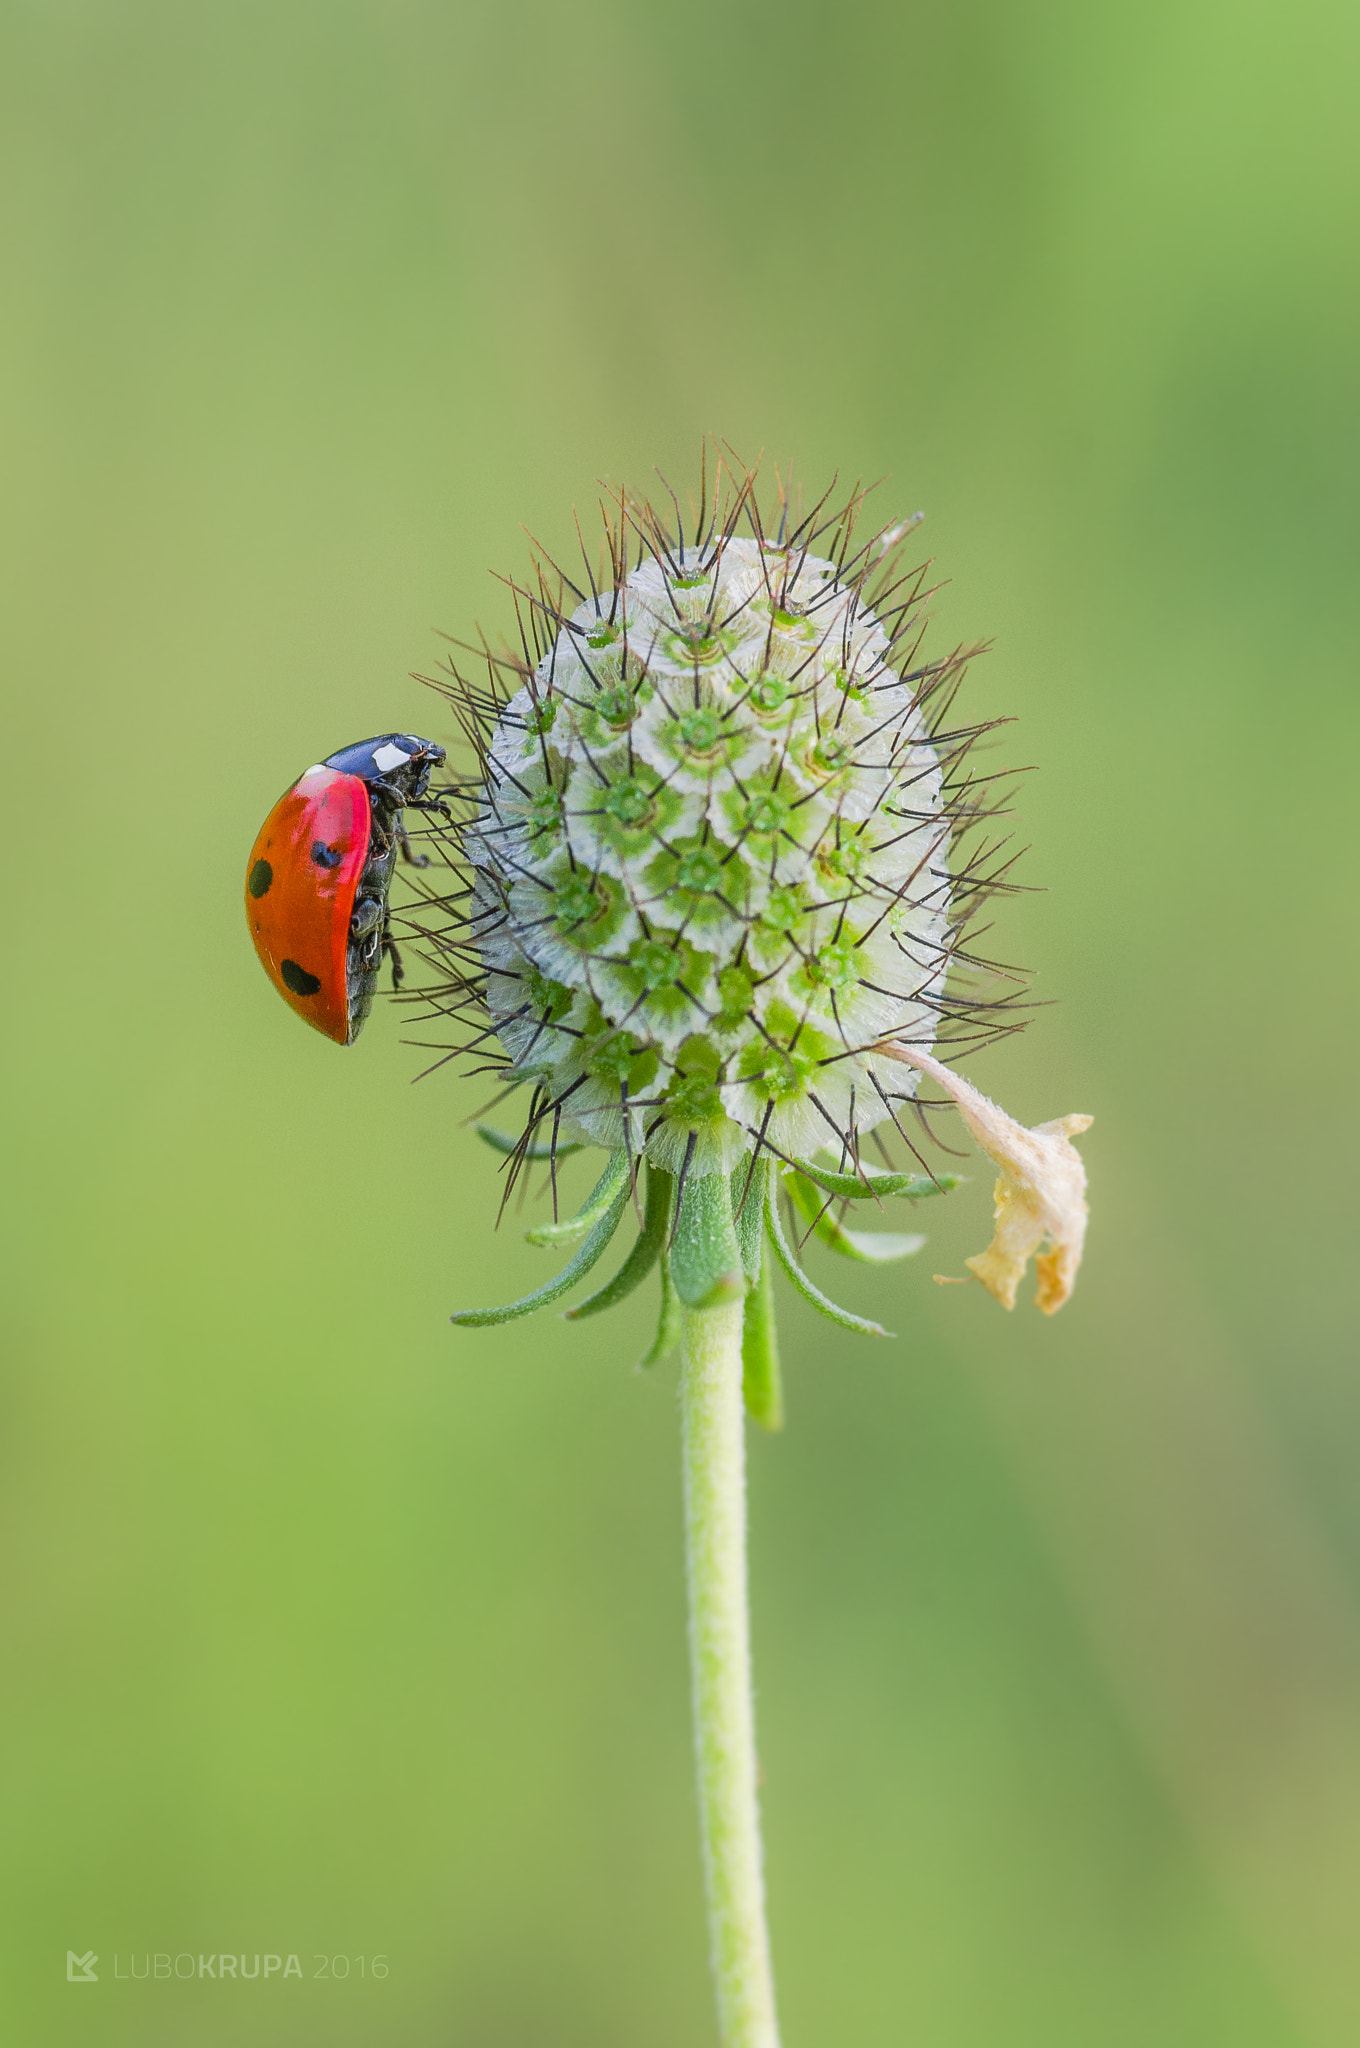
(394, 761)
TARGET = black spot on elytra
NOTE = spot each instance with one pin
(327, 856)
(261, 875)
(298, 979)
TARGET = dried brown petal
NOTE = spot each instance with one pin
(1040, 1196)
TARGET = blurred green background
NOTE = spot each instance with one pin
(334, 1631)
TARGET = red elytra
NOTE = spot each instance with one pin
(300, 888)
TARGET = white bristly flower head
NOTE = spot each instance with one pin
(711, 860)
(709, 841)
(711, 897)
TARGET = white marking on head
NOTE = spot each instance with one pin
(389, 757)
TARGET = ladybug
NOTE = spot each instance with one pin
(320, 873)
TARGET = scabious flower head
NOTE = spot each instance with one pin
(709, 837)
(716, 856)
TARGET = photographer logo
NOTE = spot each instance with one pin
(165, 1968)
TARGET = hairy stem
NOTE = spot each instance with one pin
(720, 1655)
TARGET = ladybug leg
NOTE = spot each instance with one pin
(415, 860)
(398, 971)
(367, 931)
(367, 916)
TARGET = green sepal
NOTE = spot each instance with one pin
(536, 1149)
(705, 1256)
(800, 1279)
(595, 1205)
(872, 1247)
(761, 1386)
(656, 1221)
(748, 1215)
(668, 1328)
(575, 1269)
(872, 1184)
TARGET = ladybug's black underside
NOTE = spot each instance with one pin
(392, 783)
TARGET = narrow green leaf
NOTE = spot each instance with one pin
(872, 1247)
(575, 1269)
(705, 1257)
(656, 1222)
(668, 1326)
(800, 1279)
(749, 1215)
(761, 1385)
(595, 1205)
(852, 1188)
(538, 1148)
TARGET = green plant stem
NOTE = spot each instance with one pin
(720, 1656)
